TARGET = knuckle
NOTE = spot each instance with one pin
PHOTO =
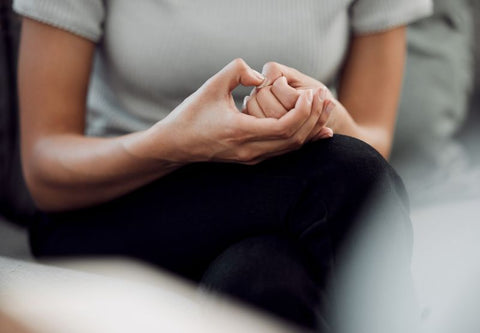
(286, 133)
(320, 123)
(244, 155)
(281, 131)
(270, 66)
(239, 63)
(305, 112)
(298, 141)
(207, 87)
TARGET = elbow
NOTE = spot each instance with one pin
(43, 185)
(38, 187)
(47, 197)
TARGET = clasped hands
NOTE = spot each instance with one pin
(275, 97)
(286, 110)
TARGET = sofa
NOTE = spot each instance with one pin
(436, 152)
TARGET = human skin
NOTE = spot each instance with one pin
(369, 89)
(274, 99)
(66, 170)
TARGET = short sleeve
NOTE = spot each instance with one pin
(81, 17)
(370, 16)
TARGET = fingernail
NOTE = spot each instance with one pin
(266, 82)
(309, 96)
(328, 133)
(258, 75)
(330, 107)
(323, 94)
(245, 101)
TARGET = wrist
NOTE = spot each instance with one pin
(339, 119)
(153, 146)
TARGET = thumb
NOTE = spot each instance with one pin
(234, 74)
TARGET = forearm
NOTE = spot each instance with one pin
(376, 136)
(370, 87)
(66, 172)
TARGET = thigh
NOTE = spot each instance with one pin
(184, 220)
(180, 222)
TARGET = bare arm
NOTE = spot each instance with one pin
(63, 168)
(369, 89)
(66, 170)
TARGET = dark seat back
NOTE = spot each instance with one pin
(15, 201)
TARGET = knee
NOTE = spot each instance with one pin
(357, 158)
(356, 162)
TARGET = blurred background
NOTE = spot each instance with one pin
(437, 152)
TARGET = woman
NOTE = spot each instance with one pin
(133, 146)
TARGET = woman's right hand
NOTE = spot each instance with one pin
(207, 126)
(67, 170)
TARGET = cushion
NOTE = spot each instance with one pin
(435, 99)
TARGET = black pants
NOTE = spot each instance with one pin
(270, 234)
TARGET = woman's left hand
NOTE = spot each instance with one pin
(283, 87)
(369, 89)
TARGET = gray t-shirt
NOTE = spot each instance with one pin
(152, 54)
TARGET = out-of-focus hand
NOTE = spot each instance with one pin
(207, 126)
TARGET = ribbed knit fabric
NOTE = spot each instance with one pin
(152, 54)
